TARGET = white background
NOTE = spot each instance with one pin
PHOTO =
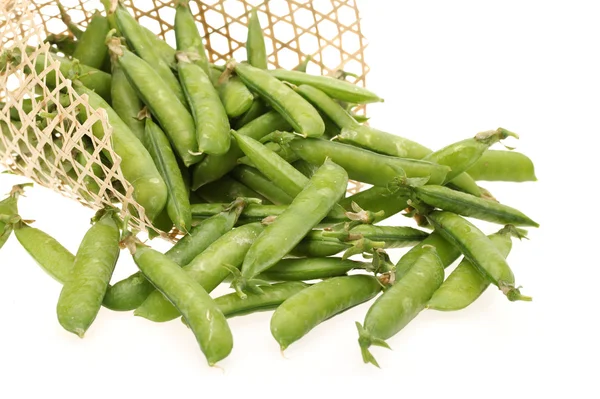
(447, 71)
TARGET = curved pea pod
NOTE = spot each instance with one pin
(256, 181)
(479, 250)
(91, 49)
(379, 200)
(92, 78)
(495, 165)
(126, 102)
(255, 45)
(401, 303)
(310, 269)
(178, 202)
(296, 110)
(392, 236)
(326, 105)
(235, 96)
(465, 284)
(271, 297)
(307, 209)
(187, 35)
(274, 167)
(334, 88)
(283, 151)
(48, 253)
(66, 18)
(462, 155)
(131, 292)
(137, 166)
(366, 166)
(212, 125)
(314, 245)
(226, 189)
(446, 251)
(162, 48)
(172, 115)
(208, 269)
(213, 167)
(83, 291)
(295, 317)
(468, 205)
(195, 305)
(144, 48)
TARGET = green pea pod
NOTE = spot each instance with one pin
(187, 36)
(283, 151)
(66, 18)
(255, 45)
(314, 245)
(479, 250)
(307, 169)
(94, 79)
(213, 167)
(334, 88)
(66, 44)
(296, 110)
(126, 102)
(325, 104)
(295, 317)
(401, 303)
(256, 181)
(130, 293)
(91, 49)
(310, 269)
(495, 165)
(137, 166)
(162, 48)
(366, 166)
(272, 296)
(226, 189)
(446, 251)
(172, 115)
(208, 269)
(376, 199)
(89, 182)
(468, 205)
(138, 40)
(257, 109)
(212, 125)
(235, 96)
(178, 202)
(275, 168)
(82, 292)
(462, 155)
(48, 253)
(197, 307)
(256, 212)
(301, 67)
(307, 209)
(465, 284)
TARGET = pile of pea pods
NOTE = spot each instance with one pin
(251, 166)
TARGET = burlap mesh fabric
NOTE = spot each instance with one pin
(42, 146)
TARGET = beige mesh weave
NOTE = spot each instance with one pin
(43, 147)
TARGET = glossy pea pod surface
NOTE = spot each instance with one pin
(445, 250)
(212, 124)
(83, 290)
(149, 189)
(296, 110)
(170, 112)
(468, 205)
(195, 305)
(478, 249)
(401, 302)
(465, 284)
(295, 317)
(255, 45)
(310, 269)
(131, 292)
(188, 37)
(208, 269)
(178, 202)
(235, 95)
(262, 185)
(496, 165)
(213, 167)
(309, 207)
(91, 49)
(146, 50)
(227, 189)
(126, 102)
(367, 166)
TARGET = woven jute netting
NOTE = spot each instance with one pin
(43, 145)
